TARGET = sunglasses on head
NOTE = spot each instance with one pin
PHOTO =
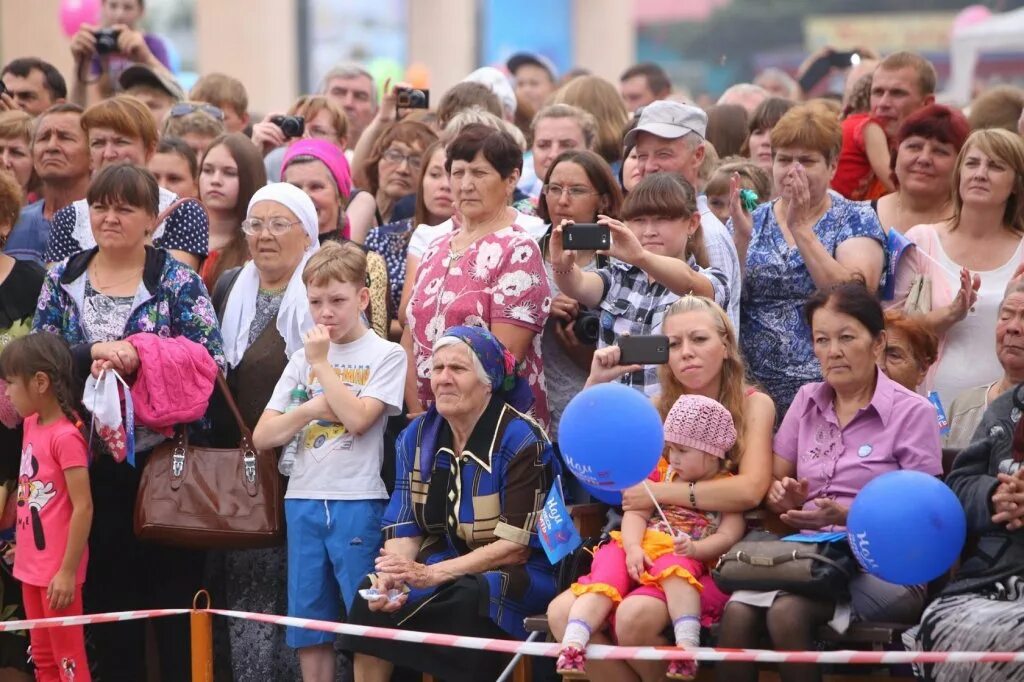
(186, 108)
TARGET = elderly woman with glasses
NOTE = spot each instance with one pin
(122, 130)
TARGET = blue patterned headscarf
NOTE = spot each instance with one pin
(501, 368)
(498, 363)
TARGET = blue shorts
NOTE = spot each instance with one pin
(331, 548)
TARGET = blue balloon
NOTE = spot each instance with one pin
(612, 497)
(906, 527)
(610, 437)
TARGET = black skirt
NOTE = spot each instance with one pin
(459, 608)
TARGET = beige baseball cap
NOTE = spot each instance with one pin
(669, 120)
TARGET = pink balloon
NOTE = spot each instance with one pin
(968, 16)
(74, 13)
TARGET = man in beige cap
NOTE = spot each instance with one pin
(669, 138)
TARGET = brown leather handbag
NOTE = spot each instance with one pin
(211, 498)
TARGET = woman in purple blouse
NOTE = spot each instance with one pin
(837, 436)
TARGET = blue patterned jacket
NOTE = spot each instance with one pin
(494, 489)
(171, 301)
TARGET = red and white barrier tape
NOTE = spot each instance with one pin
(594, 652)
(601, 651)
(87, 619)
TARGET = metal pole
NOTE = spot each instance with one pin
(506, 674)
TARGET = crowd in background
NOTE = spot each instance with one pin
(409, 273)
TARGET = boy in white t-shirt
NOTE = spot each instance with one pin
(335, 497)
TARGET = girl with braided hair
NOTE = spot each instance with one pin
(54, 502)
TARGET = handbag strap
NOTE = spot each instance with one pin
(222, 384)
(785, 557)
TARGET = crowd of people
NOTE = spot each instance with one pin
(395, 302)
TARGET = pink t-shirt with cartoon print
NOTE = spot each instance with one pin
(44, 505)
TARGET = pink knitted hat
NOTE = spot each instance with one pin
(701, 423)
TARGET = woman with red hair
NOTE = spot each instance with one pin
(926, 147)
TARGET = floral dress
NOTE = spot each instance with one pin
(498, 278)
(774, 337)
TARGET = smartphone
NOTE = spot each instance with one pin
(586, 237)
(823, 65)
(412, 98)
(843, 60)
(643, 350)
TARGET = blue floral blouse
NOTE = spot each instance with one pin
(171, 301)
(775, 339)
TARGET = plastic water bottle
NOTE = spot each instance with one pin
(285, 465)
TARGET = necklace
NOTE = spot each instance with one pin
(110, 285)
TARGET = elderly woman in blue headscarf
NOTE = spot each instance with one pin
(461, 554)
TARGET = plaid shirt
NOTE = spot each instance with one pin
(721, 251)
(635, 305)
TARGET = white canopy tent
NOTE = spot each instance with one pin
(1001, 33)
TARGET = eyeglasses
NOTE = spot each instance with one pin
(396, 157)
(575, 192)
(277, 226)
(186, 108)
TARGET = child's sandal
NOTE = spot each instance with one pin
(682, 670)
(572, 663)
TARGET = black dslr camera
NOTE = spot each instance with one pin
(291, 126)
(106, 40)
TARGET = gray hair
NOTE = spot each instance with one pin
(1016, 286)
(742, 90)
(481, 374)
(478, 115)
(349, 70)
(779, 77)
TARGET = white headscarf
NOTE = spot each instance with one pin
(293, 318)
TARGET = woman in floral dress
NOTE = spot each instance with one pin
(487, 273)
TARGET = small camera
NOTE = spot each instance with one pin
(291, 126)
(106, 40)
(411, 98)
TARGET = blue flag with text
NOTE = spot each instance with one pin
(558, 536)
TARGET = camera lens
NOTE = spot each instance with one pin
(291, 126)
(587, 327)
(417, 100)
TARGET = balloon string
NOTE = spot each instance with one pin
(657, 506)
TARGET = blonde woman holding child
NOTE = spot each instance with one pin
(704, 360)
(671, 549)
